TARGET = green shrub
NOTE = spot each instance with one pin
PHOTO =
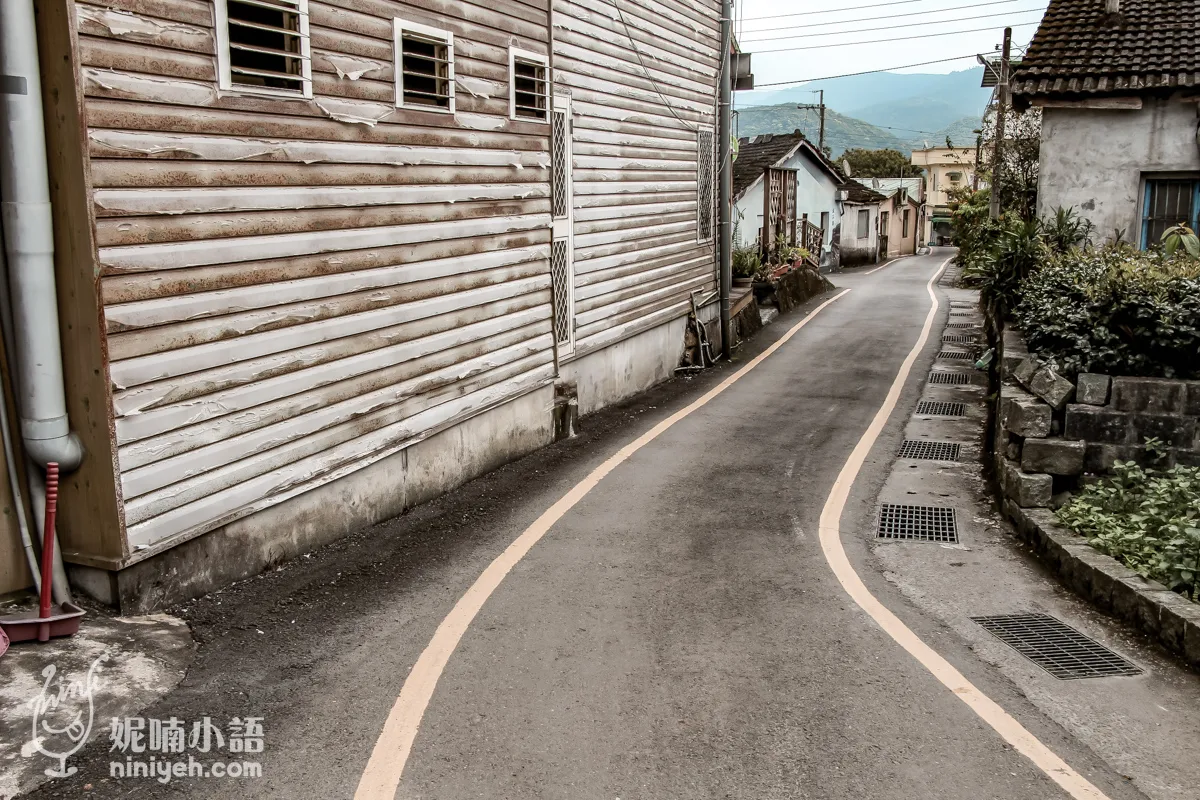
(1116, 311)
(1017, 252)
(1067, 230)
(1148, 520)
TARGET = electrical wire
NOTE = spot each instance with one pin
(971, 7)
(893, 39)
(893, 27)
(687, 125)
(848, 8)
(866, 72)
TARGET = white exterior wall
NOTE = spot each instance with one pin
(1095, 160)
(859, 251)
(816, 193)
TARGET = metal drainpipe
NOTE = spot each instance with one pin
(726, 179)
(29, 240)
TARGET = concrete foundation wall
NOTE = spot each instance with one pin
(1094, 160)
(626, 368)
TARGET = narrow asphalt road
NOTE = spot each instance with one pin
(677, 634)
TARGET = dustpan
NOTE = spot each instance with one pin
(51, 620)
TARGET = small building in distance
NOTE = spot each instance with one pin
(859, 240)
(901, 217)
(946, 170)
(1118, 93)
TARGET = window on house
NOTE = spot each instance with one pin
(529, 92)
(1168, 202)
(864, 224)
(704, 184)
(425, 78)
(904, 223)
(884, 219)
(825, 223)
(263, 47)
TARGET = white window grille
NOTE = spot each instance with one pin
(705, 199)
(424, 67)
(263, 47)
(529, 87)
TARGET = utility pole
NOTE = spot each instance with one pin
(820, 106)
(725, 182)
(1001, 113)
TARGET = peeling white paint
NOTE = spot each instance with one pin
(352, 67)
(355, 112)
(478, 87)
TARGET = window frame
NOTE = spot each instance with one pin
(515, 54)
(859, 235)
(399, 27)
(225, 83)
(1143, 218)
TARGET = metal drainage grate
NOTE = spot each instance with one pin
(959, 338)
(1056, 647)
(961, 304)
(937, 408)
(930, 451)
(950, 378)
(956, 354)
(962, 313)
(917, 523)
(962, 324)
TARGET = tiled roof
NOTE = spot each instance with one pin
(1081, 49)
(861, 194)
(769, 150)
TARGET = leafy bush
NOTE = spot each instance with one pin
(1016, 254)
(1066, 230)
(1115, 310)
(746, 261)
(1148, 520)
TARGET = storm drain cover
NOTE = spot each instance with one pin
(962, 325)
(955, 354)
(959, 338)
(918, 523)
(937, 408)
(950, 378)
(962, 313)
(1056, 647)
(961, 304)
(930, 451)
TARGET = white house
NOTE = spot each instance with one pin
(859, 236)
(1118, 93)
(816, 188)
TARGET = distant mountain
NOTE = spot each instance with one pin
(841, 132)
(911, 102)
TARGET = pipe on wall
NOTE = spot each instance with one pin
(36, 354)
(725, 184)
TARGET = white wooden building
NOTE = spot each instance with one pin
(345, 251)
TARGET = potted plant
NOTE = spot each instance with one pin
(746, 264)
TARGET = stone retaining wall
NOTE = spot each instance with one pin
(1050, 430)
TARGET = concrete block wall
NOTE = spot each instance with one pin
(1050, 430)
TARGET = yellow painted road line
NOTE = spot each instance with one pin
(391, 751)
(988, 710)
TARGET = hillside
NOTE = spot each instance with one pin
(841, 132)
(844, 132)
(913, 101)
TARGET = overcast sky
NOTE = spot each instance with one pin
(814, 24)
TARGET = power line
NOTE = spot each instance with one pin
(893, 39)
(835, 10)
(971, 7)
(867, 72)
(923, 24)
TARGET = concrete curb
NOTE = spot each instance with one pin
(1152, 608)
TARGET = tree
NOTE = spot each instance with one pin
(877, 163)
(1018, 180)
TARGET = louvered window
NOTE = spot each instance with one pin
(263, 46)
(705, 170)
(425, 74)
(529, 91)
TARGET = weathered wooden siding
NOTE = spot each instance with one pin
(295, 288)
(642, 77)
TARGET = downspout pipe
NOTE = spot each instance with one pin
(29, 242)
(725, 184)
